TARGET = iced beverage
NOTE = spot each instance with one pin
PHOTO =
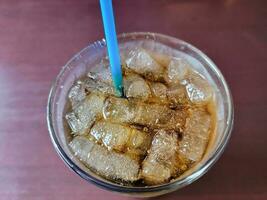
(160, 129)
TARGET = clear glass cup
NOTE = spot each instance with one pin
(90, 56)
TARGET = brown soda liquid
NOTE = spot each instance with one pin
(151, 125)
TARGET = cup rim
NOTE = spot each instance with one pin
(124, 189)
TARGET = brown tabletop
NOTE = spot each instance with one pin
(37, 37)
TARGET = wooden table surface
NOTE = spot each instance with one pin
(37, 37)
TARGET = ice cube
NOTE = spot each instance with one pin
(101, 73)
(198, 123)
(159, 90)
(162, 59)
(77, 94)
(142, 63)
(155, 173)
(135, 86)
(177, 70)
(192, 147)
(109, 164)
(96, 85)
(159, 116)
(85, 114)
(162, 161)
(198, 89)
(118, 110)
(75, 124)
(152, 115)
(196, 135)
(121, 138)
(164, 146)
(177, 95)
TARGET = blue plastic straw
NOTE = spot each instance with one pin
(112, 45)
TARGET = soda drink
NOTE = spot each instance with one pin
(159, 130)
